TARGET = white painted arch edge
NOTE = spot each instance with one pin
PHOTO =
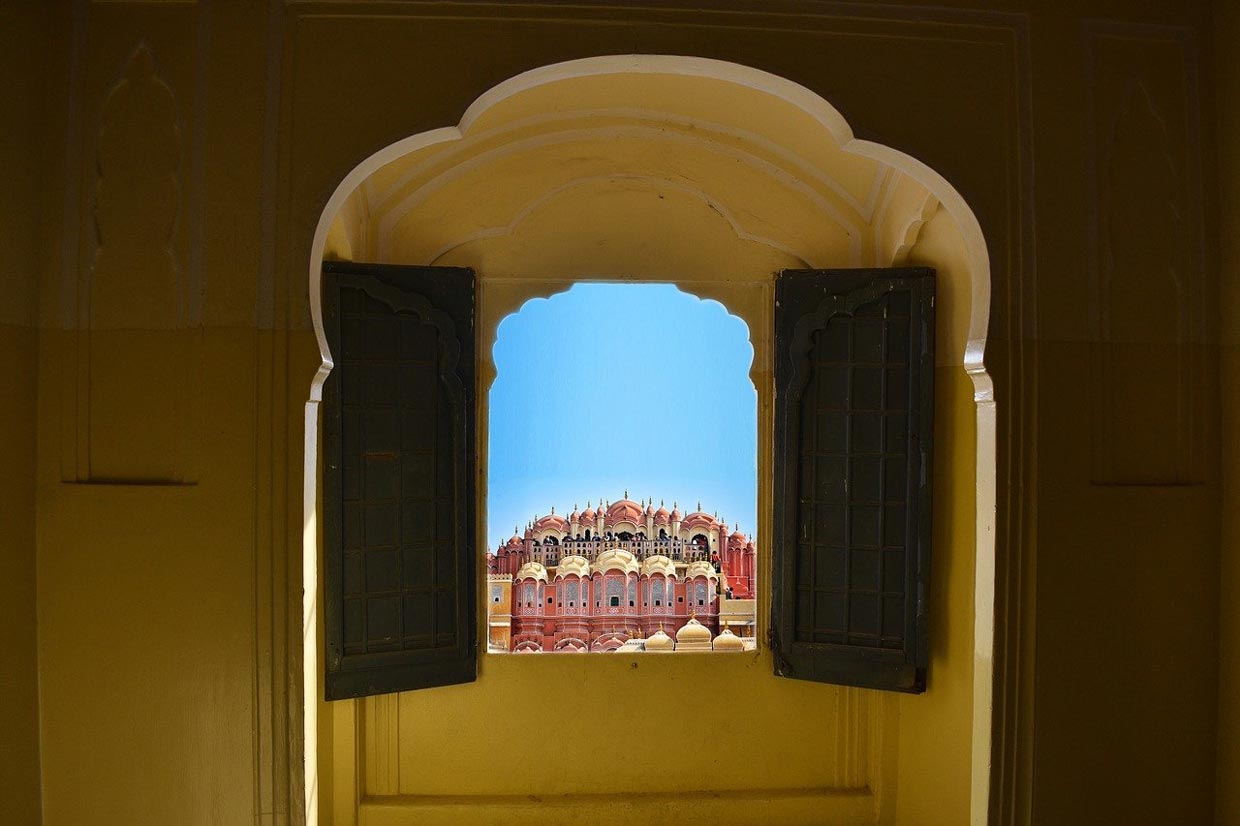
(756, 79)
(834, 123)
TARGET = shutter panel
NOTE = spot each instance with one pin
(854, 387)
(398, 479)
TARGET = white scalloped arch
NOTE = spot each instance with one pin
(823, 113)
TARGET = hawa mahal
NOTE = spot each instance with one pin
(625, 577)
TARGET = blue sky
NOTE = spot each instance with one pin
(611, 386)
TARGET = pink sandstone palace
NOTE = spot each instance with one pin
(627, 577)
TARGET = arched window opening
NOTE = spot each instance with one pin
(969, 334)
(691, 359)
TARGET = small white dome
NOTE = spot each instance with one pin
(659, 641)
(693, 631)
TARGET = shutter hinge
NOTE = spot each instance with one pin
(782, 667)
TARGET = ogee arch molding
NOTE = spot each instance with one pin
(703, 173)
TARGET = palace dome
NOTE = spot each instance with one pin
(587, 515)
(551, 521)
(624, 510)
(661, 516)
(658, 564)
(699, 518)
(616, 559)
(532, 570)
(700, 568)
(693, 632)
(573, 564)
(727, 641)
(660, 641)
(631, 646)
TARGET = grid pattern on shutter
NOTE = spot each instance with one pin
(854, 408)
(398, 429)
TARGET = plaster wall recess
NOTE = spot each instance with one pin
(669, 185)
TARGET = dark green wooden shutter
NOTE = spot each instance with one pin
(854, 404)
(398, 479)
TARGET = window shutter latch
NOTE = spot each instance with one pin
(782, 667)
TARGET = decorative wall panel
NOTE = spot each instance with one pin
(132, 292)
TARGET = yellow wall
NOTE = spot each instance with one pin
(162, 686)
(1227, 29)
(1126, 591)
(715, 186)
(168, 615)
(23, 33)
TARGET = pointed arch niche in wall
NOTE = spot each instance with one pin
(712, 176)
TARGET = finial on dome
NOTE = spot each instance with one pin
(660, 503)
(626, 493)
(553, 510)
(699, 505)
